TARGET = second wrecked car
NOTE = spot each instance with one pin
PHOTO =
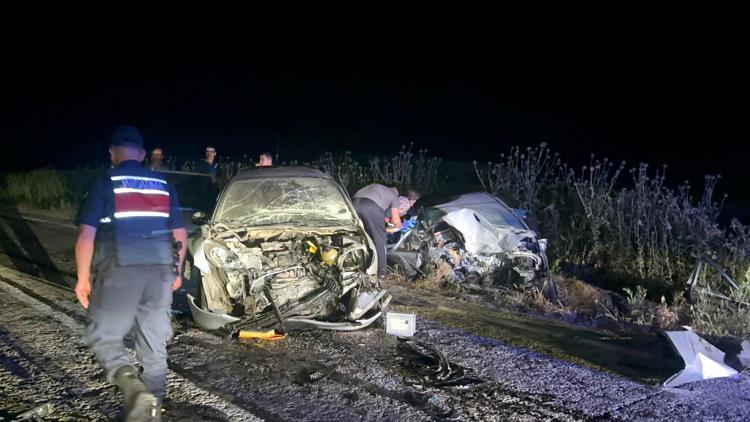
(284, 248)
(478, 236)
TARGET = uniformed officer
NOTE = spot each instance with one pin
(129, 226)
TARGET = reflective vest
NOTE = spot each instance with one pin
(137, 233)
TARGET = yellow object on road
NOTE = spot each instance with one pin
(262, 335)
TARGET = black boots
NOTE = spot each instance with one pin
(140, 404)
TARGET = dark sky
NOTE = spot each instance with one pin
(462, 81)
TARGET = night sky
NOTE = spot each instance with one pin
(464, 82)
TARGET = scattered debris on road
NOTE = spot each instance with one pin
(38, 412)
(433, 367)
(261, 335)
(400, 325)
(702, 359)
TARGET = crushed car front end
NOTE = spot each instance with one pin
(478, 236)
(285, 249)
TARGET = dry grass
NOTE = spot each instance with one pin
(669, 317)
(579, 301)
(724, 318)
(439, 279)
(399, 279)
(533, 299)
(582, 297)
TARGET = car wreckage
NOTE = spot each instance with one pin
(483, 241)
(283, 248)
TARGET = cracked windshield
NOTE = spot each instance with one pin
(302, 200)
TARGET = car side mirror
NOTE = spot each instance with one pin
(199, 218)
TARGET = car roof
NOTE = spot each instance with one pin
(475, 201)
(469, 199)
(459, 201)
(279, 172)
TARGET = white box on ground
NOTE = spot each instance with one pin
(401, 325)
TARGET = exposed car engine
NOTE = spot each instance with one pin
(291, 267)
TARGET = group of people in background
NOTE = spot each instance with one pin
(208, 165)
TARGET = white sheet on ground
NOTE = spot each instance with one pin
(702, 359)
(744, 356)
(480, 236)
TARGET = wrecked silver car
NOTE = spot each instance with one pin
(478, 236)
(284, 248)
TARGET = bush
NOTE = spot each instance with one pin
(43, 188)
(47, 188)
(724, 317)
(639, 228)
(402, 170)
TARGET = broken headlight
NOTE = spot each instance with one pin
(221, 256)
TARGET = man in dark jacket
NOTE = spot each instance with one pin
(209, 165)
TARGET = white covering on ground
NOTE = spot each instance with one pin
(702, 359)
(480, 236)
(744, 356)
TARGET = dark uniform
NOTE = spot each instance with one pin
(211, 169)
(134, 211)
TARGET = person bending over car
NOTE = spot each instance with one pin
(372, 203)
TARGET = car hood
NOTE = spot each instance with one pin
(480, 236)
(495, 211)
(286, 230)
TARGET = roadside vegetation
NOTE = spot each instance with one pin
(628, 231)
